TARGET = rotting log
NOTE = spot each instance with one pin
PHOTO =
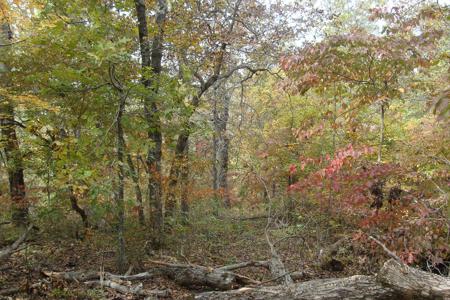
(394, 281)
(186, 275)
(137, 290)
(355, 287)
(413, 282)
(194, 275)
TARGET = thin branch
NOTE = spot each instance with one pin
(389, 252)
(7, 251)
(12, 43)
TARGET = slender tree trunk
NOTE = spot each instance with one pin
(184, 177)
(184, 135)
(183, 138)
(10, 142)
(380, 146)
(76, 207)
(14, 164)
(222, 148)
(120, 187)
(214, 154)
(151, 58)
(177, 165)
(137, 189)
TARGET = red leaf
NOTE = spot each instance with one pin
(292, 169)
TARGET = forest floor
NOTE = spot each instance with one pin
(206, 241)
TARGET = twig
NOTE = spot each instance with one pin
(389, 252)
(263, 264)
(276, 278)
(12, 43)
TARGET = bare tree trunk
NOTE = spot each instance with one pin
(137, 188)
(120, 187)
(175, 171)
(183, 137)
(380, 146)
(76, 207)
(220, 128)
(223, 170)
(151, 58)
(214, 145)
(11, 145)
(184, 177)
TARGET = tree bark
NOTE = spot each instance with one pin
(137, 189)
(355, 287)
(380, 146)
(152, 58)
(394, 281)
(181, 150)
(11, 144)
(137, 290)
(184, 177)
(222, 148)
(412, 282)
(215, 147)
(120, 187)
(76, 207)
(191, 276)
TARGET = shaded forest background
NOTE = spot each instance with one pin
(206, 131)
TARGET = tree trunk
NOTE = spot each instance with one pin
(11, 145)
(129, 290)
(355, 287)
(191, 276)
(222, 144)
(76, 207)
(214, 146)
(414, 283)
(177, 165)
(137, 189)
(184, 135)
(394, 281)
(151, 58)
(120, 187)
(184, 177)
(380, 146)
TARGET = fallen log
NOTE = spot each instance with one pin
(10, 291)
(414, 282)
(355, 287)
(76, 276)
(79, 276)
(7, 251)
(185, 275)
(132, 290)
(394, 281)
(194, 275)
